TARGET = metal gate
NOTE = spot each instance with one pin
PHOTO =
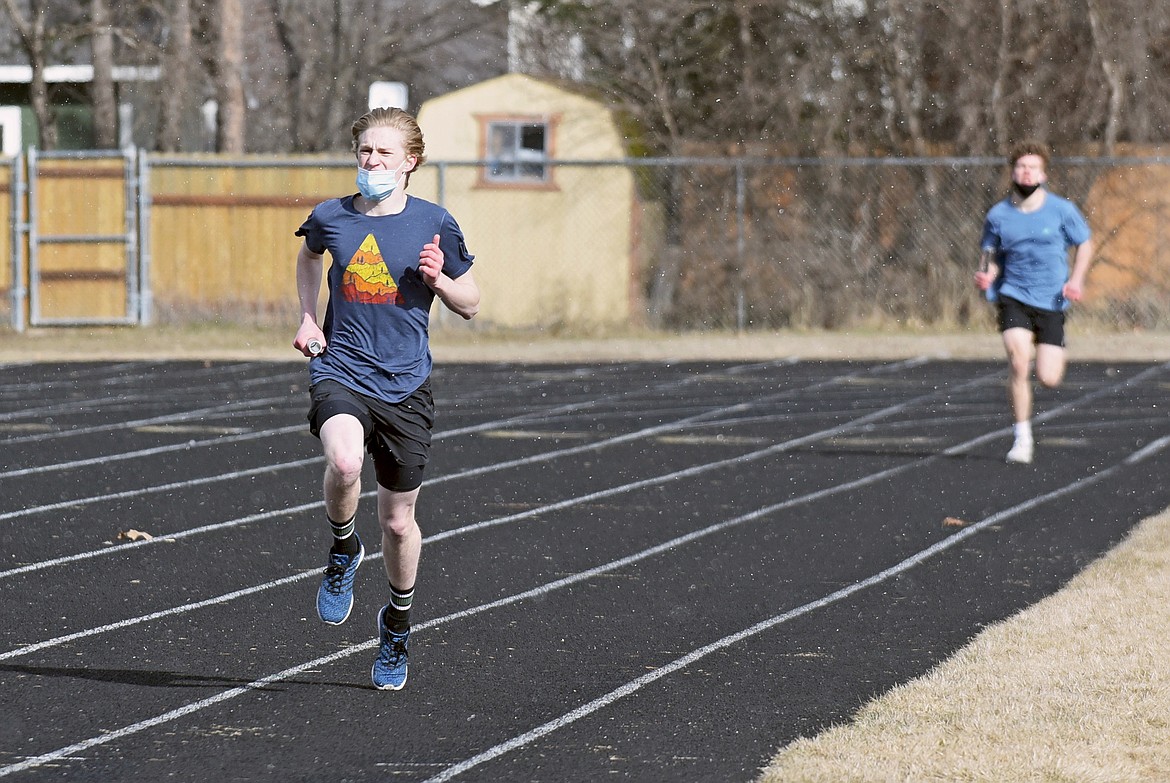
(82, 236)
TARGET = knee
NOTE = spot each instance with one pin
(345, 468)
(1050, 367)
(1050, 378)
(399, 525)
(1019, 368)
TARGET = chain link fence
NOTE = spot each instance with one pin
(712, 244)
(742, 244)
(877, 243)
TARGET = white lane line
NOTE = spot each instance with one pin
(96, 373)
(161, 419)
(819, 494)
(441, 435)
(159, 615)
(862, 424)
(1147, 450)
(1101, 391)
(130, 493)
(117, 377)
(476, 471)
(165, 538)
(557, 506)
(120, 400)
(578, 407)
(183, 416)
(144, 423)
(248, 404)
(220, 440)
(758, 454)
(543, 590)
(633, 686)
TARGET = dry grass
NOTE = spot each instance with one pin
(1075, 688)
(460, 344)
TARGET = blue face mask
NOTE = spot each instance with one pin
(377, 185)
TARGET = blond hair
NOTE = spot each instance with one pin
(399, 120)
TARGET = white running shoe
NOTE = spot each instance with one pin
(1021, 452)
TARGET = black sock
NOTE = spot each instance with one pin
(397, 615)
(344, 540)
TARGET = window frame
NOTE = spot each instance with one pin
(487, 180)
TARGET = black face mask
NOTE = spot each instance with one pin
(1024, 190)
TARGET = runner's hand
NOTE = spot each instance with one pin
(430, 262)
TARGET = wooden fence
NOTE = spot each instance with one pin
(221, 234)
(216, 240)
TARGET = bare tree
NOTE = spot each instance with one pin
(1129, 40)
(301, 73)
(329, 53)
(229, 78)
(103, 92)
(867, 76)
(1143, 41)
(672, 66)
(33, 39)
(177, 57)
(818, 77)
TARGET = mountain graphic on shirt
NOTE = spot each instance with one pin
(366, 278)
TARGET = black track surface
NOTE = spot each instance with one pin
(651, 571)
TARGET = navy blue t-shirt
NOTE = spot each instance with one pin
(376, 323)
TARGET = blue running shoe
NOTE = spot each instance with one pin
(335, 595)
(389, 670)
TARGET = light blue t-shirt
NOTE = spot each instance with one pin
(1032, 249)
(376, 323)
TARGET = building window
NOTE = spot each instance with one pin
(517, 151)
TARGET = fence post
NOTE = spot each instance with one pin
(19, 293)
(146, 287)
(130, 190)
(33, 262)
(740, 244)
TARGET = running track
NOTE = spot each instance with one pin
(649, 571)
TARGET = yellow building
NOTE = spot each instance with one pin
(554, 245)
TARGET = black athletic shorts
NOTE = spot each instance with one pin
(398, 434)
(1046, 325)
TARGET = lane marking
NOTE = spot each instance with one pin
(710, 440)
(546, 456)
(127, 455)
(190, 429)
(630, 687)
(90, 403)
(869, 441)
(27, 427)
(116, 375)
(162, 423)
(241, 405)
(633, 686)
(538, 435)
(499, 521)
(266, 402)
(130, 493)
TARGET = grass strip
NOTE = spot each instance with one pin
(1074, 688)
